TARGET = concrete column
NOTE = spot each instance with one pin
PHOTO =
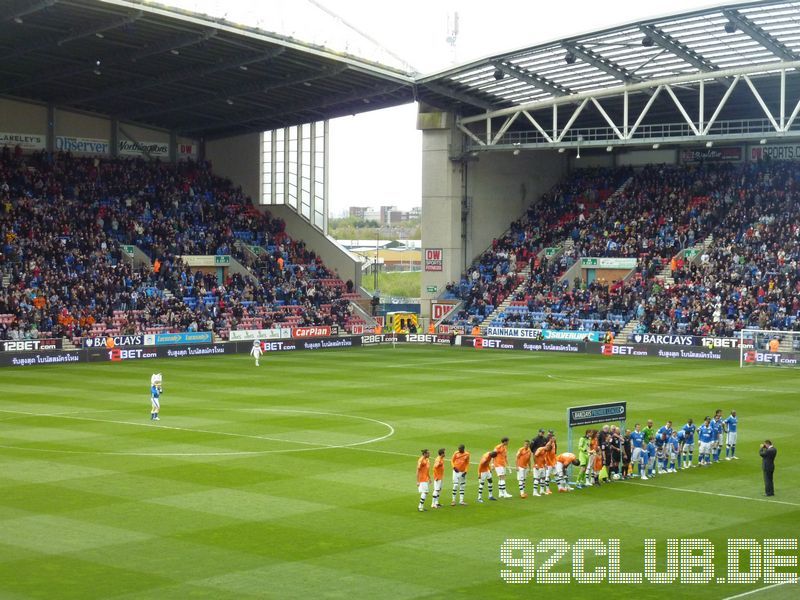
(442, 197)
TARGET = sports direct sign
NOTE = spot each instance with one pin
(433, 259)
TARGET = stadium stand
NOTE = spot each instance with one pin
(747, 277)
(64, 219)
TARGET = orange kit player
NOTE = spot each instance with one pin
(460, 464)
(523, 466)
(423, 478)
(550, 461)
(438, 476)
(501, 466)
(563, 461)
(540, 470)
(485, 474)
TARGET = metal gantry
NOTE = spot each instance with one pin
(698, 124)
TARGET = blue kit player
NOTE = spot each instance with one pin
(717, 426)
(155, 394)
(651, 459)
(731, 423)
(638, 452)
(673, 450)
(705, 435)
(688, 444)
(661, 452)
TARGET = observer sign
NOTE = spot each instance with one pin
(81, 145)
(597, 413)
(433, 259)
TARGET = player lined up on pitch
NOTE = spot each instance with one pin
(603, 455)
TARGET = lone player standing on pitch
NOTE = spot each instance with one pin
(155, 394)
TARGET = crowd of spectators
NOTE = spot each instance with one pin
(748, 277)
(62, 222)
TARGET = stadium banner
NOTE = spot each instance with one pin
(544, 334)
(657, 351)
(379, 338)
(186, 151)
(439, 310)
(597, 413)
(189, 337)
(771, 358)
(102, 341)
(49, 357)
(720, 154)
(488, 343)
(686, 340)
(80, 145)
(131, 148)
(206, 260)
(774, 152)
(140, 353)
(305, 344)
(277, 333)
(424, 338)
(30, 345)
(311, 332)
(433, 259)
(26, 141)
(515, 332)
(575, 336)
(605, 262)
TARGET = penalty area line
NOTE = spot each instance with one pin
(763, 589)
(673, 489)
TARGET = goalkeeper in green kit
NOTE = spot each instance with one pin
(583, 457)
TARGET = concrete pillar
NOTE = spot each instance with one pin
(442, 198)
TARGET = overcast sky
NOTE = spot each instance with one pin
(376, 157)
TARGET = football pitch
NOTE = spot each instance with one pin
(297, 479)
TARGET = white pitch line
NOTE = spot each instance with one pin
(763, 589)
(673, 489)
(315, 445)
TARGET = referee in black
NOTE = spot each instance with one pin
(768, 453)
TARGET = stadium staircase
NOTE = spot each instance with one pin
(565, 246)
(525, 275)
(665, 274)
(628, 330)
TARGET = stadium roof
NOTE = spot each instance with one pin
(709, 39)
(207, 78)
(175, 70)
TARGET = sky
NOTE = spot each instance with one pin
(376, 158)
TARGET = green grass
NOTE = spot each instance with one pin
(401, 284)
(252, 485)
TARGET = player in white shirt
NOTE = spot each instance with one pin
(155, 394)
(256, 351)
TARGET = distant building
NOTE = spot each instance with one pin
(358, 212)
(384, 215)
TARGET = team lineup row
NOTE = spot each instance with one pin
(604, 454)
